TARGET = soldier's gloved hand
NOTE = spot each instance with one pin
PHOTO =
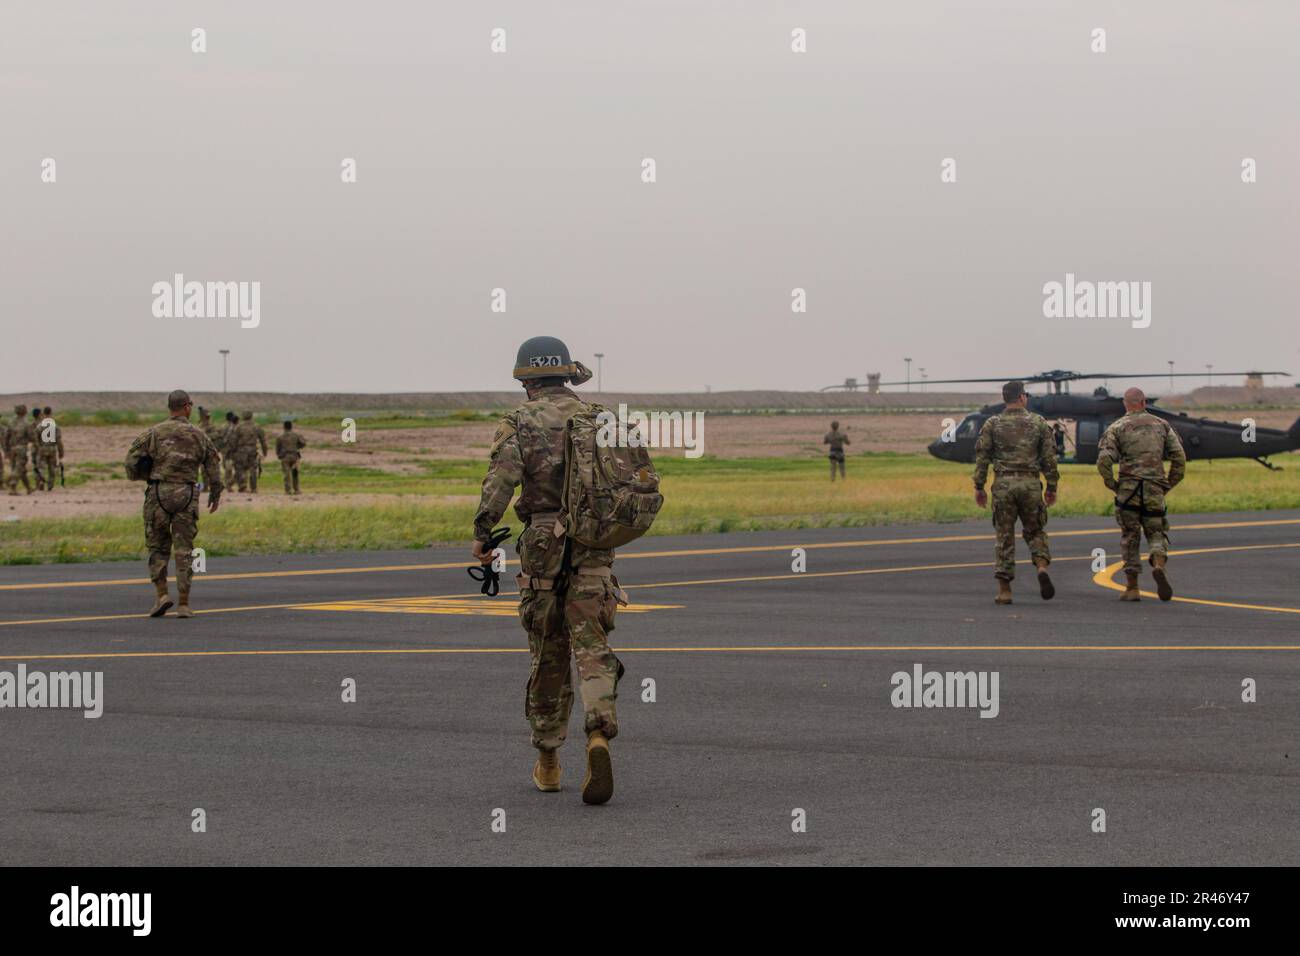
(1113, 485)
(981, 497)
(1049, 498)
(213, 503)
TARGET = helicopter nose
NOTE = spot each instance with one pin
(941, 449)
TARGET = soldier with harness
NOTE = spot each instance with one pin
(581, 497)
(1140, 443)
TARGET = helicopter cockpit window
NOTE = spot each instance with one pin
(969, 427)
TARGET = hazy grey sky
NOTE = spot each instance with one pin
(522, 170)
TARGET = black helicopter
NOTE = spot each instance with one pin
(1201, 437)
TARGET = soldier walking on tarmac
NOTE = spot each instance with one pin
(567, 593)
(1020, 447)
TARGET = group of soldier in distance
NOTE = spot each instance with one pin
(579, 500)
(1022, 448)
(34, 440)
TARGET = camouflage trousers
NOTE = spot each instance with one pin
(18, 470)
(171, 521)
(246, 464)
(1018, 497)
(837, 463)
(47, 462)
(227, 471)
(563, 631)
(1132, 524)
(290, 468)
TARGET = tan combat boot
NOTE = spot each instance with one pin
(1004, 592)
(1163, 587)
(598, 786)
(163, 604)
(183, 602)
(546, 772)
(1131, 592)
(1045, 586)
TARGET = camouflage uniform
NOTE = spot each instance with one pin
(248, 435)
(48, 453)
(1020, 446)
(288, 448)
(226, 447)
(837, 440)
(171, 498)
(529, 448)
(1140, 442)
(212, 430)
(19, 435)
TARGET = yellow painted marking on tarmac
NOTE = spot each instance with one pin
(720, 649)
(142, 616)
(242, 576)
(690, 552)
(475, 607)
(789, 576)
(1105, 578)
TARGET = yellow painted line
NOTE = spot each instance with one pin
(243, 576)
(788, 576)
(1105, 578)
(691, 552)
(141, 616)
(720, 649)
(472, 607)
(1209, 526)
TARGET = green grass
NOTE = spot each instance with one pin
(703, 496)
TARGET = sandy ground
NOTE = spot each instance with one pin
(400, 450)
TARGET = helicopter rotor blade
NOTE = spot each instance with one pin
(955, 381)
(1176, 374)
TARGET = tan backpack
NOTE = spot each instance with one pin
(611, 491)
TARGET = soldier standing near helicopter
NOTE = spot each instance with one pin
(1140, 443)
(1020, 447)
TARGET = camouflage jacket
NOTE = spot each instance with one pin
(178, 450)
(216, 434)
(288, 445)
(1139, 443)
(19, 434)
(529, 449)
(55, 433)
(246, 437)
(1016, 440)
(837, 440)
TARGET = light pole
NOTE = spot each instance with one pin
(224, 353)
(923, 378)
(909, 373)
(1171, 376)
(1209, 374)
(599, 357)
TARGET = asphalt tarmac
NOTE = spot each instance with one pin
(772, 694)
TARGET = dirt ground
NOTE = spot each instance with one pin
(399, 450)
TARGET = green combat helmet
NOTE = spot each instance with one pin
(545, 356)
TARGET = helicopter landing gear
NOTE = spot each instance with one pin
(1269, 465)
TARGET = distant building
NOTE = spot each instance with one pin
(873, 383)
(1254, 380)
